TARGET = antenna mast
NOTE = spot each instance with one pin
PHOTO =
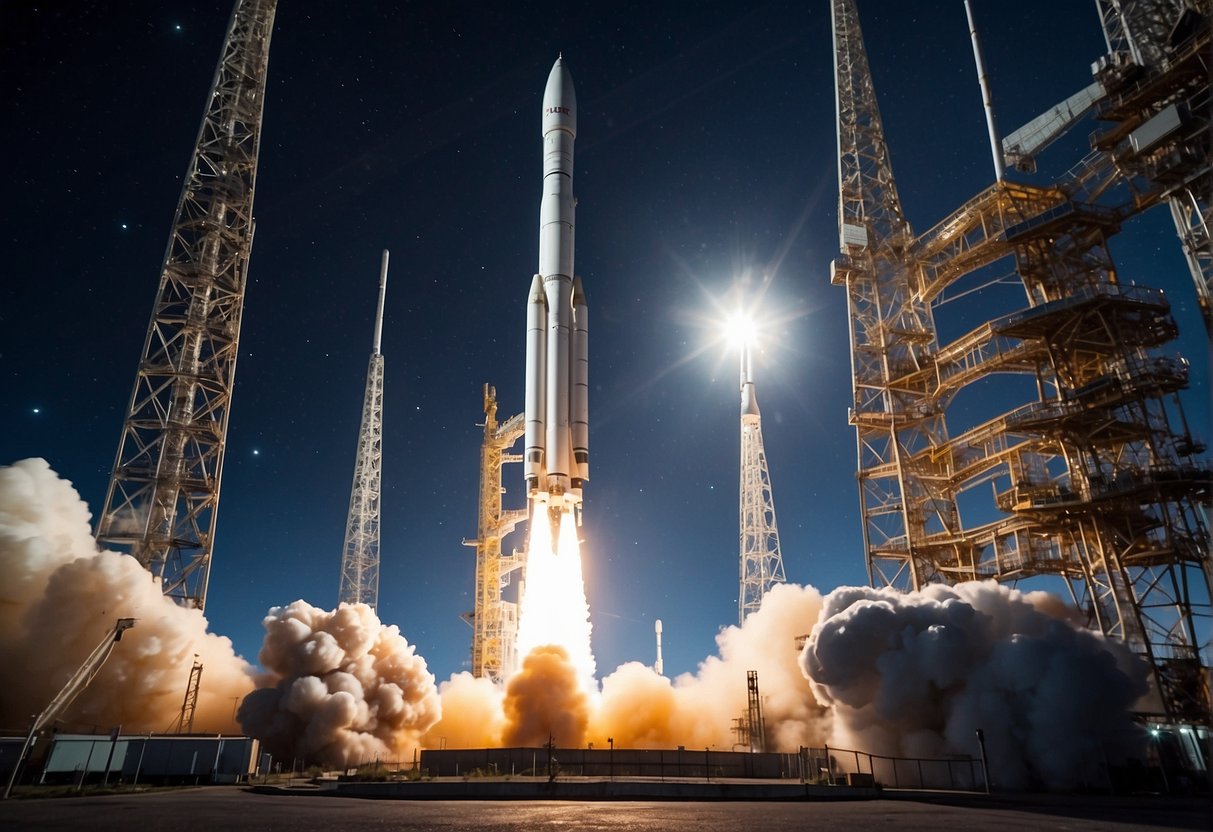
(360, 554)
(163, 495)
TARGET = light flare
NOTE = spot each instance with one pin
(553, 608)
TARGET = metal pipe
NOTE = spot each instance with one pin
(984, 80)
(382, 292)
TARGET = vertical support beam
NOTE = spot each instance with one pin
(983, 79)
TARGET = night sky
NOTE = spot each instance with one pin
(706, 149)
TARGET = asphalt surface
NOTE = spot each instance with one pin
(214, 808)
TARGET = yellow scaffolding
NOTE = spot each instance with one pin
(494, 621)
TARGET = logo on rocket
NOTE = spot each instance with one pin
(557, 456)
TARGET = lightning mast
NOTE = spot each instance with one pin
(761, 560)
(360, 554)
(163, 494)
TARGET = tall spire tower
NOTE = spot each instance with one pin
(360, 555)
(892, 332)
(761, 560)
(163, 494)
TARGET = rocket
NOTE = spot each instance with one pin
(557, 456)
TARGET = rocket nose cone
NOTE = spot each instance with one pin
(537, 295)
(559, 100)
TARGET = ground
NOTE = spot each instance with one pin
(213, 808)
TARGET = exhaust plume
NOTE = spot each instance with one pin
(60, 595)
(917, 674)
(546, 699)
(553, 609)
(340, 688)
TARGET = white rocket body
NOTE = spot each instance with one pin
(660, 665)
(557, 356)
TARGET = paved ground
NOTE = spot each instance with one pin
(222, 808)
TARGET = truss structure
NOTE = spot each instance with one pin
(1157, 75)
(761, 562)
(1096, 483)
(163, 495)
(184, 723)
(494, 620)
(360, 552)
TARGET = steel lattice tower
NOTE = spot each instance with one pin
(360, 554)
(163, 494)
(1166, 41)
(761, 560)
(892, 332)
(1096, 482)
(494, 621)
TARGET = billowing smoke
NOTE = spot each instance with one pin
(641, 709)
(472, 715)
(918, 674)
(60, 595)
(912, 674)
(545, 700)
(340, 688)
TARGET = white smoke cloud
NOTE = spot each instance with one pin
(898, 674)
(60, 595)
(340, 688)
(917, 674)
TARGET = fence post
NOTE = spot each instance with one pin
(985, 767)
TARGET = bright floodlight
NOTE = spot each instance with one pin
(740, 329)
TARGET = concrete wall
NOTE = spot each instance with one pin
(209, 759)
(603, 762)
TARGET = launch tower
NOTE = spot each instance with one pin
(761, 560)
(1156, 79)
(360, 553)
(1097, 484)
(163, 494)
(494, 621)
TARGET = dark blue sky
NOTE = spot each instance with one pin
(706, 147)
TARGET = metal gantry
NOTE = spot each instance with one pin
(163, 496)
(1157, 75)
(494, 620)
(184, 724)
(761, 562)
(1096, 482)
(754, 720)
(892, 335)
(360, 552)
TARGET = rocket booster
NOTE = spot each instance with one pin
(557, 458)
